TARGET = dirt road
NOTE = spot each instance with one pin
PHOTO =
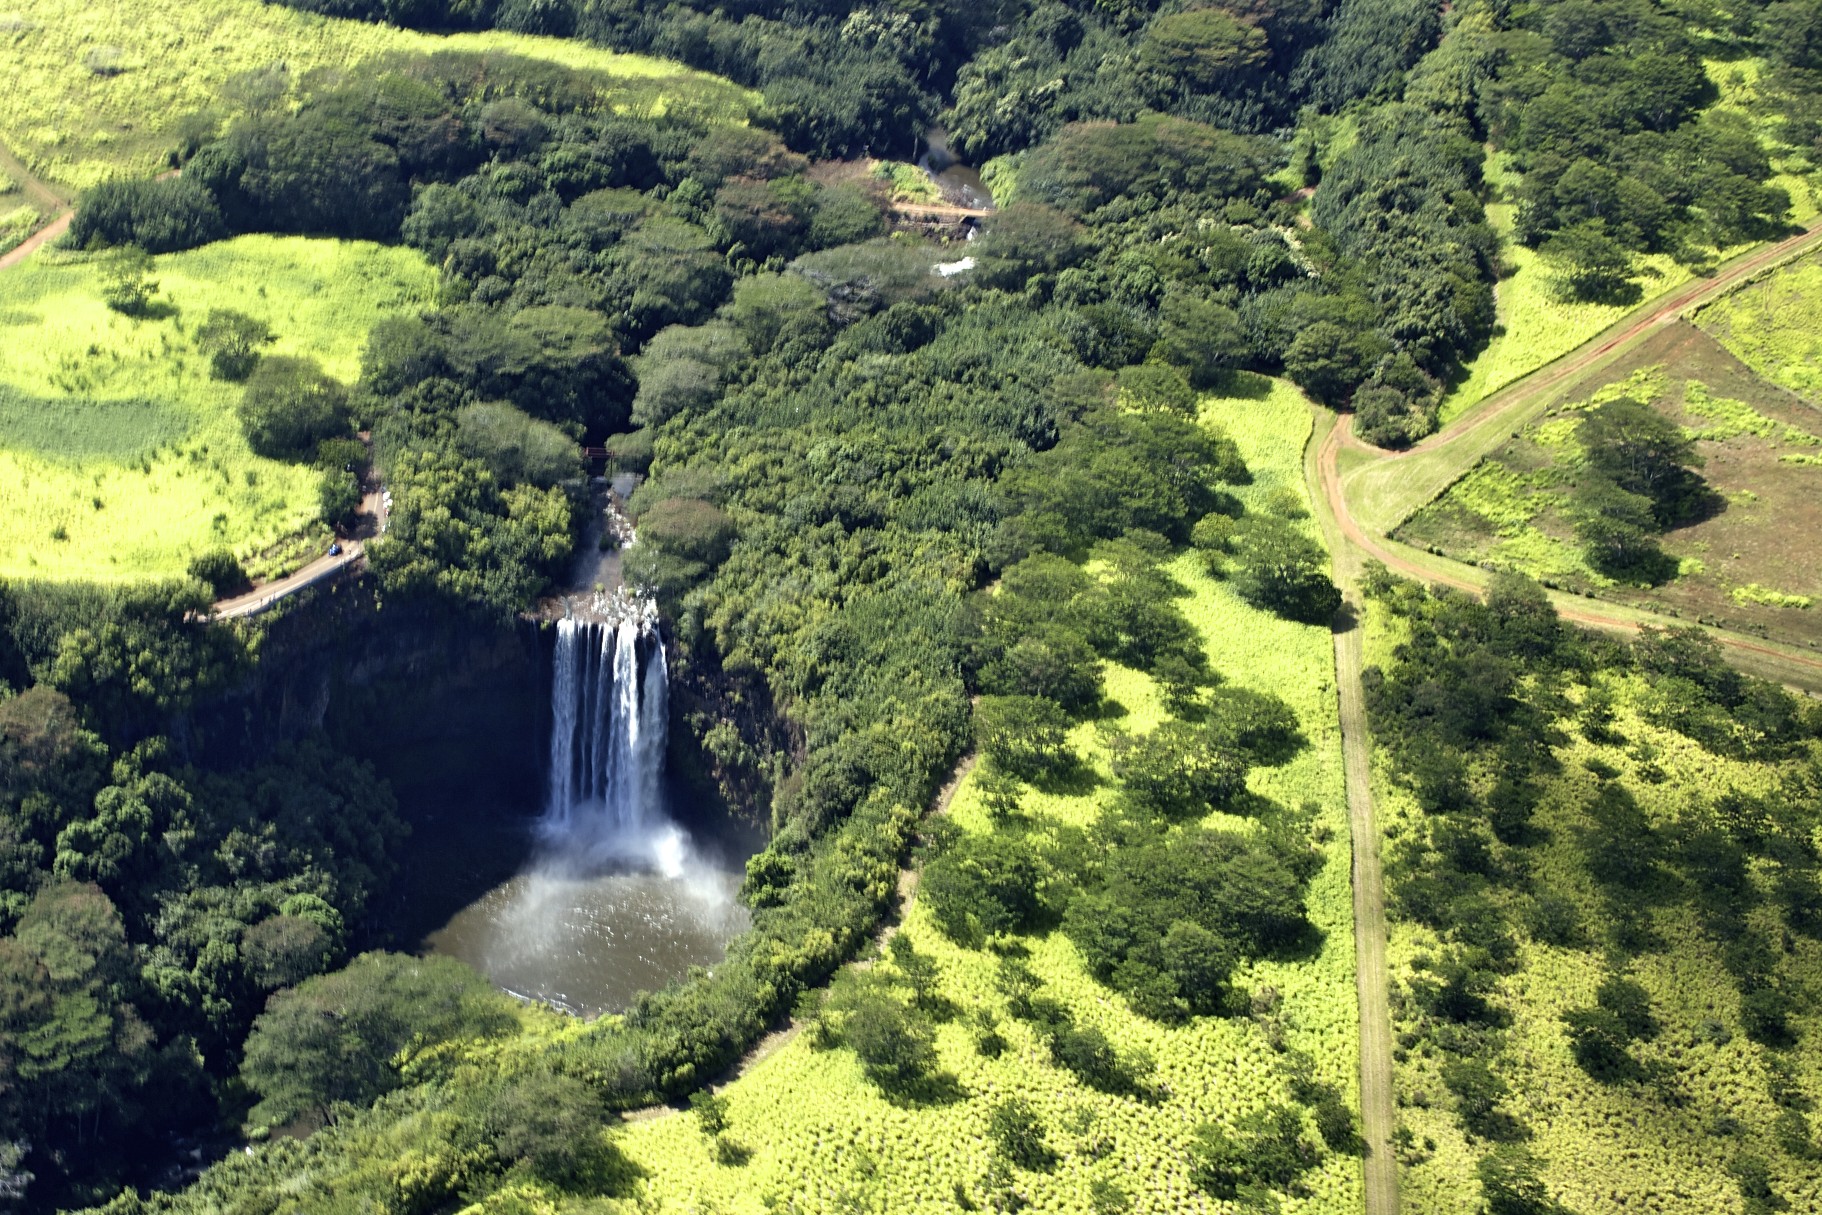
(1391, 486)
(1378, 1115)
(1781, 663)
(46, 198)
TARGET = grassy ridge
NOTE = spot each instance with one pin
(824, 1139)
(95, 91)
(111, 429)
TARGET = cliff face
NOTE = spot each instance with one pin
(449, 709)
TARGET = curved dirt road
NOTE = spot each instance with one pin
(1410, 478)
(60, 209)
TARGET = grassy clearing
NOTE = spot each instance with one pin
(1536, 327)
(1795, 173)
(119, 457)
(95, 91)
(1774, 326)
(822, 1137)
(1752, 566)
(1661, 1145)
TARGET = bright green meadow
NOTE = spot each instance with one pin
(97, 90)
(120, 458)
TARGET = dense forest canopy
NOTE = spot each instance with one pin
(889, 514)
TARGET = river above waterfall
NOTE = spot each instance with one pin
(959, 185)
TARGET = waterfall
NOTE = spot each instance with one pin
(608, 716)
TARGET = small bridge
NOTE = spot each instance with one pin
(940, 213)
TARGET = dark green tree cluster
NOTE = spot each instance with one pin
(1475, 710)
(150, 906)
(1638, 479)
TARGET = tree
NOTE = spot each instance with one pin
(1591, 266)
(1326, 360)
(71, 1046)
(1616, 529)
(517, 446)
(1643, 452)
(1204, 49)
(159, 216)
(1024, 735)
(1266, 1148)
(289, 406)
(232, 340)
(218, 570)
(127, 284)
(1178, 770)
(1157, 386)
(1280, 569)
(1200, 336)
(341, 1037)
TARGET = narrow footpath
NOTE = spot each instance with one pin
(56, 207)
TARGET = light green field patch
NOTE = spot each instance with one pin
(96, 90)
(1535, 326)
(1731, 418)
(823, 1138)
(1774, 326)
(1752, 592)
(120, 458)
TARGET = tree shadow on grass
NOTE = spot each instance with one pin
(1071, 778)
(933, 1091)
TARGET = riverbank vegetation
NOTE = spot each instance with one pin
(1599, 860)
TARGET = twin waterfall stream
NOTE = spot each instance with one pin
(616, 898)
(608, 715)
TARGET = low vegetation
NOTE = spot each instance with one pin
(1599, 864)
(1729, 544)
(1771, 326)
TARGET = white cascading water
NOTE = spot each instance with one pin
(608, 716)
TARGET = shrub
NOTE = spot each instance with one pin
(290, 406)
(1018, 1135)
(220, 572)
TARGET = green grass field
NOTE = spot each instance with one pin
(1774, 326)
(825, 1140)
(95, 90)
(1535, 326)
(1660, 1145)
(119, 457)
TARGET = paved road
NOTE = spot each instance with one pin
(354, 552)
